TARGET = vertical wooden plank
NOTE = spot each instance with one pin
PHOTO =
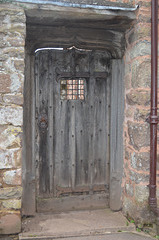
(62, 116)
(65, 144)
(116, 137)
(91, 121)
(100, 99)
(50, 122)
(56, 131)
(84, 151)
(101, 131)
(36, 122)
(72, 146)
(82, 145)
(81, 123)
(28, 164)
(107, 133)
(72, 135)
(44, 138)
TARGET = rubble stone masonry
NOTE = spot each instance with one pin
(12, 41)
(137, 108)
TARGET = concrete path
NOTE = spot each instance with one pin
(113, 236)
(80, 225)
(110, 236)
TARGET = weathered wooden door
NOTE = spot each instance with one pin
(72, 129)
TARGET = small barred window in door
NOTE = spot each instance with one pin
(72, 89)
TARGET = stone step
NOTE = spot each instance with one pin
(108, 236)
(74, 224)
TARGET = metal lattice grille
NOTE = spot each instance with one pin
(72, 89)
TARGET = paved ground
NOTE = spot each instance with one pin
(110, 236)
(113, 236)
(76, 223)
(11, 237)
(80, 225)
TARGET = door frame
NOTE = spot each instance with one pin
(116, 137)
(116, 129)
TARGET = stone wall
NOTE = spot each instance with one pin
(137, 108)
(12, 35)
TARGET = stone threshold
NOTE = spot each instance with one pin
(74, 224)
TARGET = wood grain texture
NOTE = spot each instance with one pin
(116, 134)
(83, 28)
(74, 148)
(85, 202)
(28, 164)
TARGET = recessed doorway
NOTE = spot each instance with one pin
(73, 108)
